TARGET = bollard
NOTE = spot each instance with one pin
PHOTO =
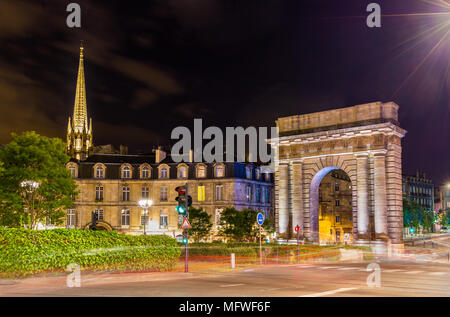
(233, 261)
(277, 254)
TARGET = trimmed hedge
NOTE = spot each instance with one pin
(24, 251)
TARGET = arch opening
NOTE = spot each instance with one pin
(331, 206)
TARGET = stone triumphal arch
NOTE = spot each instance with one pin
(365, 142)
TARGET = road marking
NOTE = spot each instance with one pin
(305, 266)
(339, 290)
(413, 272)
(231, 285)
(327, 267)
(249, 270)
(392, 271)
(347, 268)
(437, 273)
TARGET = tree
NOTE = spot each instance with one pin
(30, 157)
(200, 222)
(239, 225)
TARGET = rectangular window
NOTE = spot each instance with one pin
(71, 218)
(248, 193)
(267, 195)
(219, 192)
(163, 219)
(163, 193)
(336, 187)
(337, 202)
(258, 194)
(145, 192)
(125, 218)
(99, 193)
(201, 193)
(99, 213)
(125, 193)
(338, 218)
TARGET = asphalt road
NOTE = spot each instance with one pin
(312, 280)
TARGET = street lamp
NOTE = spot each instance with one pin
(30, 187)
(145, 203)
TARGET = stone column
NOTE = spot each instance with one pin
(297, 196)
(362, 171)
(380, 212)
(282, 187)
(394, 190)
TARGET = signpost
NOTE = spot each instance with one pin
(297, 230)
(260, 220)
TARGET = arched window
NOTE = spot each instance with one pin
(163, 172)
(258, 174)
(220, 170)
(201, 171)
(72, 170)
(182, 172)
(126, 172)
(99, 172)
(145, 172)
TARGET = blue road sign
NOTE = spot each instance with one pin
(260, 218)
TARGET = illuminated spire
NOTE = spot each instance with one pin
(80, 108)
(79, 134)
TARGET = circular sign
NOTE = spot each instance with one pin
(260, 218)
(297, 228)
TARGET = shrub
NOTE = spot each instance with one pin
(24, 251)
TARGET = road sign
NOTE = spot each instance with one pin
(297, 228)
(186, 224)
(260, 218)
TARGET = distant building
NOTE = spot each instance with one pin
(335, 208)
(420, 189)
(442, 197)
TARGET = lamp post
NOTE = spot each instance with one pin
(30, 187)
(145, 204)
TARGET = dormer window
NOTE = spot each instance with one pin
(73, 168)
(126, 172)
(145, 172)
(99, 171)
(248, 172)
(182, 172)
(201, 171)
(220, 170)
(164, 172)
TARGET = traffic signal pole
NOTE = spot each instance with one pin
(186, 269)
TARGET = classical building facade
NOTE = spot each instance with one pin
(420, 189)
(364, 141)
(111, 182)
(112, 185)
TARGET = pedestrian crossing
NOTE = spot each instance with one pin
(364, 269)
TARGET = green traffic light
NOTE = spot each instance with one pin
(185, 240)
(180, 209)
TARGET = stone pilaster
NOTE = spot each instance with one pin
(394, 190)
(362, 171)
(282, 187)
(380, 202)
(297, 195)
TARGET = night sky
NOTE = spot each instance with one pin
(152, 67)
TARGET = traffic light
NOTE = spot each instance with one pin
(185, 238)
(181, 199)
